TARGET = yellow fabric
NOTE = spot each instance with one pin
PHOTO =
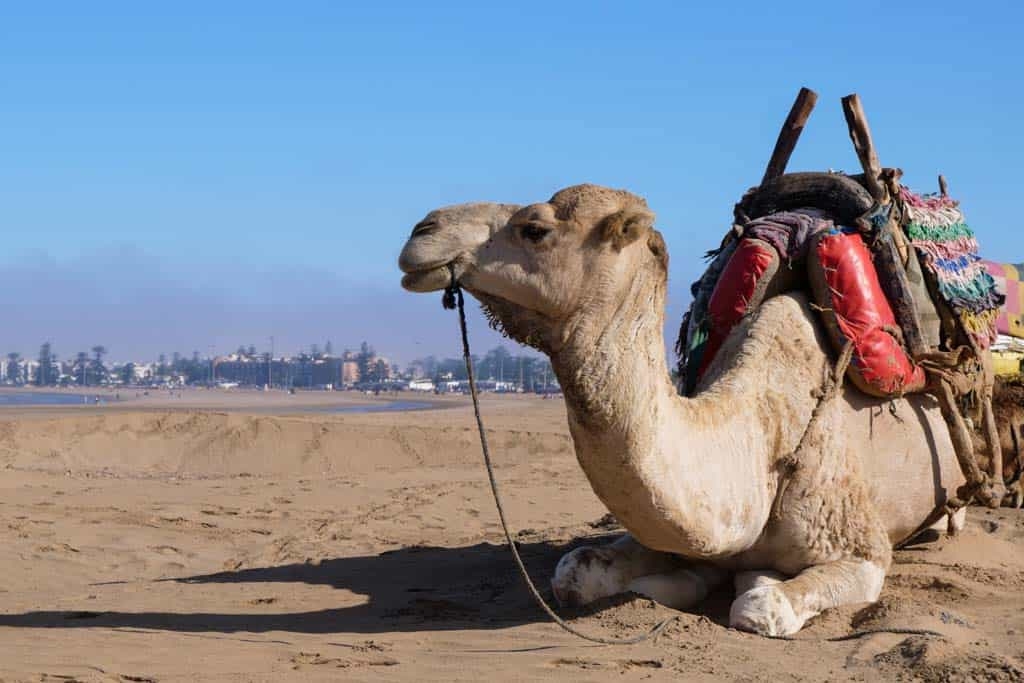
(1006, 362)
(1016, 321)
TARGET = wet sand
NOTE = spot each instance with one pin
(192, 541)
(275, 401)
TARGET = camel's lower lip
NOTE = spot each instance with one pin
(431, 280)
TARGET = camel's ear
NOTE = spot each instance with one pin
(622, 228)
(656, 243)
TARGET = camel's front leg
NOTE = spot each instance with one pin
(590, 573)
(782, 608)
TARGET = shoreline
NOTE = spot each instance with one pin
(225, 400)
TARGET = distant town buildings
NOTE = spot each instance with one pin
(19, 371)
(497, 371)
(322, 372)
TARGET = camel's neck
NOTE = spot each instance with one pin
(685, 475)
(611, 369)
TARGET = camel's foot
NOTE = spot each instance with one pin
(765, 610)
(588, 574)
(780, 608)
(591, 573)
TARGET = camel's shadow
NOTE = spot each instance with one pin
(418, 588)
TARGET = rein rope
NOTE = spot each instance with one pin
(453, 299)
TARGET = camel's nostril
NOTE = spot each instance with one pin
(424, 228)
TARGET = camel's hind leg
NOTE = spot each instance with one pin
(781, 609)
(594, 572)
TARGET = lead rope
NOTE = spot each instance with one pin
(452, 299)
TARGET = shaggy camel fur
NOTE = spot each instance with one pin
(726, 481)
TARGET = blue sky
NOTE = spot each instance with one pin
(215, 173)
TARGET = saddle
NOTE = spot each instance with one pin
(935, 297)
(895, 277)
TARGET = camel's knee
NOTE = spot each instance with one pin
(680, 589)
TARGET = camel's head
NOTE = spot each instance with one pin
(581, 251)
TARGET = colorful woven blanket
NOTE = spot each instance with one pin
(947, 248)
(1008, 281)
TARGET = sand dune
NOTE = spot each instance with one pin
(196, 544)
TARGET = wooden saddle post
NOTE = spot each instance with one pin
(891, 269)
(792, 127)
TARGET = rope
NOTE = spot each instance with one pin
(860, 634)
(453, 298)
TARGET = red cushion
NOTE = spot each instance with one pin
(862, 311)
(736, 292)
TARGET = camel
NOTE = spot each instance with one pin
(738, 479)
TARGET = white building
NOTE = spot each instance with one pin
(422, 384)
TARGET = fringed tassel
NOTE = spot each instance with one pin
(939, 233)
(981, 326)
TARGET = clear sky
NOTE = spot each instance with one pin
(210, 174)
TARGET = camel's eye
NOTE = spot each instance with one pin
(533, 232)
(424, 227)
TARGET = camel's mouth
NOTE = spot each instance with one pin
(429, 280)
(450, 235)
(431, 277)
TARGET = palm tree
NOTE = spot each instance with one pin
(99, 370)
(81, 368)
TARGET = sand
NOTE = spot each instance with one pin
(154, 542)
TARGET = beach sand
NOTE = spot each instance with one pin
(218, 540)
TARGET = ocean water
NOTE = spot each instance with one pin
(389, 407)
(32, 398)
